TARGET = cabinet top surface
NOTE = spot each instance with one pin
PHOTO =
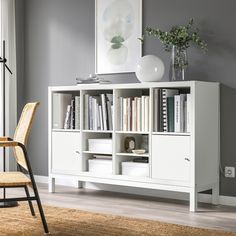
(174, 84)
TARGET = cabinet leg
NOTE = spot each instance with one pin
(193, 201)
(215, 195)
(80, 184)
(51, 185)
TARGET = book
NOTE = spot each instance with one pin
(188, 111)
(67, 118)
(109, 113)
(143, 113)
(156, 111)
(177, 113)
(104, 112)
(170, 114)
(95, 114)
(121, 112)
(86, 112)
(125, 114)
(138, 114)
(146, 114)
(165, 94)
(72, 115)
(134, 114)
(77, 112)
(101, 118)
(60, 101)
(129, 116)
(179, 101)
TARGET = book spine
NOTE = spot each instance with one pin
(133, 117)
(112, 116)
(109, 115)
(161, 129)
(164, 110)
(143, 113)
(121, 112)
(182, 101)
(188, 129)
(72, 115)
(104, 111)
(125, 114)
(170, 111)
(155, 110)
(177, 113)
(101, 117)
(139, 114)
(94, 112)
(77, 112)
(146, 125)
(67, 119)
(90, 113)
(129, 114)
(98, 117)
(86, 111)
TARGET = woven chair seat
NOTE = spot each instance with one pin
(13, 179)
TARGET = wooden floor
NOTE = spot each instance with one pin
(171, 211)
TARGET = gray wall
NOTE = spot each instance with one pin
(56, 42)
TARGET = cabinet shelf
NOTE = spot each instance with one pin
(171, 133)
(132, 154)
(65, 130)
(98, 131)
(131, 132)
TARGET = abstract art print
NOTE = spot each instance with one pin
(118, 27)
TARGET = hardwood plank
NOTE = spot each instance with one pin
(164, 210)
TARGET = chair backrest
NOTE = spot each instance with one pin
(22, 131)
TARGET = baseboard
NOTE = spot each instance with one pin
(206, 198)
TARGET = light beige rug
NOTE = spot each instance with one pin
(62, 221)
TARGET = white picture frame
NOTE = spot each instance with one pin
(117, 48)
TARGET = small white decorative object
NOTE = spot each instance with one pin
(139, 151)
(150, 68)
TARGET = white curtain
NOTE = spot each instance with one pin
(7, 22)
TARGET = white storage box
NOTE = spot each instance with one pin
(135, 169)
(100, 145)
(103, 167)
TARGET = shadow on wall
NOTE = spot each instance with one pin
(228, 137)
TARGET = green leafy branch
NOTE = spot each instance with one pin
(179, 36)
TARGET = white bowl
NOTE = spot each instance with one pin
(139, 151)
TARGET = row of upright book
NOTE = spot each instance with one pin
(171, 110)
(98, 112)
(134, 113)
(66, 111)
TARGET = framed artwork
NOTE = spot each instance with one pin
(118, 25)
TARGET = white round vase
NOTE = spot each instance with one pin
(150, 68)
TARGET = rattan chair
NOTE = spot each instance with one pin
(19, 179)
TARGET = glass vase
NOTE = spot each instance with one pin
(179, 63)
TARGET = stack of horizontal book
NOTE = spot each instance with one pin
(171, 110)
(98, 111)
(66, 111)
(134, 113)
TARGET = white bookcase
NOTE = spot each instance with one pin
(182, 162)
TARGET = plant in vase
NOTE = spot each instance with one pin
(178, 40)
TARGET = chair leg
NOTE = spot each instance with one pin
(45, 226)
(36, 194)
(29, 201)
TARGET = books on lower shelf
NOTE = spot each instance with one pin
(134, 113)
(66, 111)
(171, 111)
(98, 112)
